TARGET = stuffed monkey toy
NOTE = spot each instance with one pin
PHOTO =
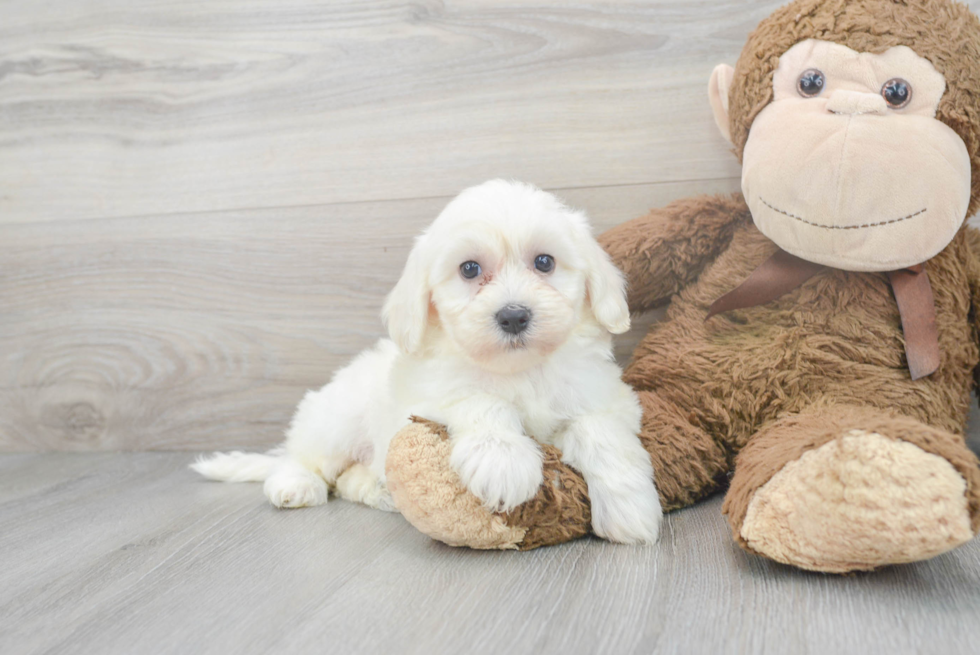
(819, 348)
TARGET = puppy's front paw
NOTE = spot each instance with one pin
(626, 514)
(501, 470)
(295, 489)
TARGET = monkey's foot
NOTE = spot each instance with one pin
(857, 503)
(429, 494)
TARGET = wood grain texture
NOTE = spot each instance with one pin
(133, 554)
(202, 205)
(203, 331)
(110, 108)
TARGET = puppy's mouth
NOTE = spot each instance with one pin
(517, 343)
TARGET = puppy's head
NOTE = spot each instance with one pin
(507, 272)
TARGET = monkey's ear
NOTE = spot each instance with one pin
(718, 86)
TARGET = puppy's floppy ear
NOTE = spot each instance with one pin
(406, 309)
(607, 288)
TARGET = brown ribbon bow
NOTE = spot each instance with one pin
(784, 272)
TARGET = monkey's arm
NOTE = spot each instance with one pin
(667, 249)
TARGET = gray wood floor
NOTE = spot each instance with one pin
(130, 553)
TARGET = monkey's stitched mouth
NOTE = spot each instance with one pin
(841, 227)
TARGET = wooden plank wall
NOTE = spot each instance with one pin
(202, 204)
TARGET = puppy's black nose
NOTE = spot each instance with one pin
(514, 319)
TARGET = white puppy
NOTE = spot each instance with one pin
(500, 329)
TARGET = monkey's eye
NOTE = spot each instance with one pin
(896, 92)
(544, 263)
(469, 270)
(811, 83)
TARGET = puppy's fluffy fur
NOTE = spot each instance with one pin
(450, 359)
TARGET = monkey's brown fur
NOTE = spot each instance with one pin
(835, 342)
(750, 391)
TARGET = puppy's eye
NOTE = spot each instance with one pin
(544, 263)
(896, 92)
(469, 270)
(810, 83)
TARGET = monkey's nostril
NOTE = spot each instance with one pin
(514, 319)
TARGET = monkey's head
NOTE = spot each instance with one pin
(858, 127)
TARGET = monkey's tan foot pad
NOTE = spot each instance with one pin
(857, 503)
(428, 493)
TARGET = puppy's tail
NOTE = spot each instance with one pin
(238, 466)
